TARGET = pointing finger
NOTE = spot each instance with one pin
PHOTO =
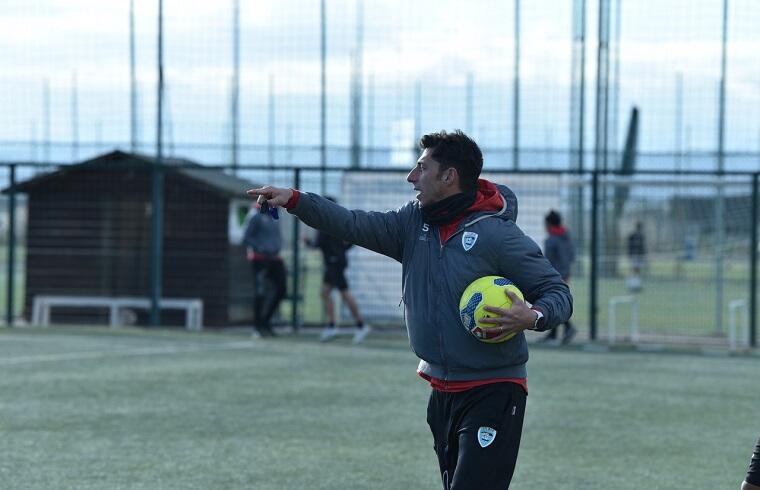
(255, 192)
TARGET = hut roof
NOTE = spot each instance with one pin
(214, 178)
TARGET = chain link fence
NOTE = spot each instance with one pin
(693, 281)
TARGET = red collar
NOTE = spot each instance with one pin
(557, 230)
(488, 198)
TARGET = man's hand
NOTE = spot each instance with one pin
(513, 320)
(274, 196)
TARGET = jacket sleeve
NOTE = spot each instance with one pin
(380, 232)
(522, 262)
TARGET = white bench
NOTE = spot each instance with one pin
(43, 302)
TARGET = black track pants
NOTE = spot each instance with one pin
(269, 279)
(476, 435)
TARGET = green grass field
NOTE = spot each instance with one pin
(136, 409)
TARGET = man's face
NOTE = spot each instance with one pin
(428, 179)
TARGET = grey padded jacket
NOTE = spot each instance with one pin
(434, 275)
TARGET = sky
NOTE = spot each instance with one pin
(434, 45)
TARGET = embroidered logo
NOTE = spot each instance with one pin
(468, 240)
(425, 229)
(486, 435)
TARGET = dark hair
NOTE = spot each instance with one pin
(456, 150)
(330, 198)
(553, 218)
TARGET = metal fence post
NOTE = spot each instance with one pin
(594, 274)
(157, 188)
(296, 259)
(11, 257)
(753, 263)
(156, 242)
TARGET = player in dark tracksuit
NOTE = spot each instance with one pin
(558, 248)
(263, 243)
(459, 229)
(334, 254)
(752, 481)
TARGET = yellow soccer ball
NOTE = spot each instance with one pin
(486, 291)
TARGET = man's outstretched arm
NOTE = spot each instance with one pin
(376, 231)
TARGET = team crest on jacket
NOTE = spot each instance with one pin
(486, 436)
(468, 240)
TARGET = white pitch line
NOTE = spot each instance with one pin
(24, 338)
(144, 351)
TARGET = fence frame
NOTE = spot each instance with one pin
(598, 179)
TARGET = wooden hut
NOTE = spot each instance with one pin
(89, 234)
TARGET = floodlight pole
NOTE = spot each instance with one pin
(157, 188)
(602, 87)
(578, 116)
(516, 93)
(46, 157)
(235, 102)
(594, 273)
(357, 80)
(132, 79)
(74, 118)
(370, 118)
(11, 264)
(271, 127)
(468, 104)
(323, 95)
(296, 261)
(615, 112)
(33, 157)
(678, 139)
(417, 119)
(753, 263)
(720, 203)
(722, 91)
(602, 122)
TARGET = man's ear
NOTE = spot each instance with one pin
(447, 174)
